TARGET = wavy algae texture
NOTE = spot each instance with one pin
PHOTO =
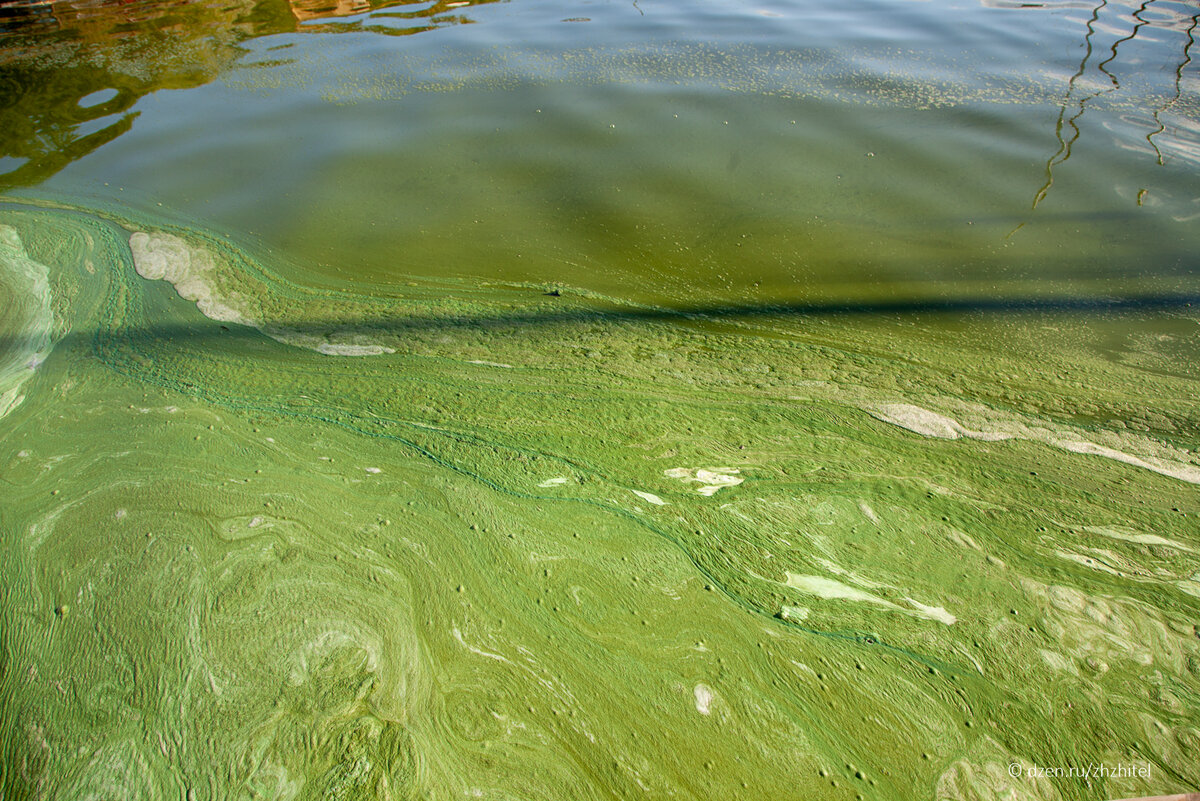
(263, 540)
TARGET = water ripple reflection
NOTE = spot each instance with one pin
(53, 55)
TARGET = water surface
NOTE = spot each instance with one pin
(599, 399)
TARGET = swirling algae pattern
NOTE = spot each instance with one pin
(268, 541)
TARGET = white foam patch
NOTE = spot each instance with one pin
(1136, 536)
(1088, 561)
(933, 612)
(195, 274)
(832, 589)
(554, 482)
(162, 257)
(927, 423)
(1190, 586)
(336, 344)
(704, 696)
(711, 479)
(931, 424)
(1183, 472)
(823, 587)
(25, 315)
(646, 496)
(796, 614)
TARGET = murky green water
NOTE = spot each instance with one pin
(596, 400)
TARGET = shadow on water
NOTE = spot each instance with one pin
(71, 70)
(708, 315)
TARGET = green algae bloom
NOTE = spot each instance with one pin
(265, 539)
(595, 401)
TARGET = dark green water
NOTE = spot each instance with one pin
(565, 400)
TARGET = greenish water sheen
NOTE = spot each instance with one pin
(599, 400)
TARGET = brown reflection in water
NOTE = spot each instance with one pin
(316, 9)
(55, 54)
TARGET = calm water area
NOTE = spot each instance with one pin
(670, 153)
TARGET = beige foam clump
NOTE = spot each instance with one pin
(162, 257)
(649, 497)
(1183, 472)
(711, 479)
(832, 589)
(931, 424)
(195, 274)
(1129, 535)
(352, 344)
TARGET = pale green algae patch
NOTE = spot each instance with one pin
(25, 319)
(537, 546)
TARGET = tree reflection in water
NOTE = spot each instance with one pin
(71, 71)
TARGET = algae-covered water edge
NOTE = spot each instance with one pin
(597, 401)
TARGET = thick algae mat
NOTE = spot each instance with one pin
(265, 540)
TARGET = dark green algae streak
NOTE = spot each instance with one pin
(481, 564)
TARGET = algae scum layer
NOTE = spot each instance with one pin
(714, 401)
(489, 541)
